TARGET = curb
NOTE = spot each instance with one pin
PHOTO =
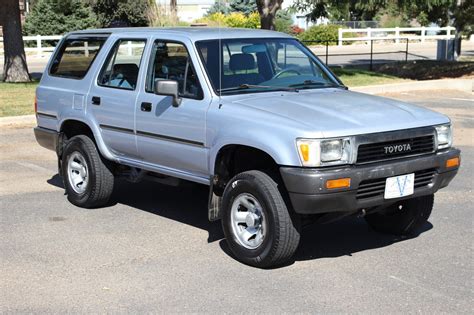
(17, 121)
(466, 85)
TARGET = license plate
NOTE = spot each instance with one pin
(399, 186)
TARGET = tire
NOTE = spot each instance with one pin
(402, 218)
(279, 234)
(82, 161)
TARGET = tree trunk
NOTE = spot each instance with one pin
(15, 68)
(268, 10)
(267, 22)
(174, 11)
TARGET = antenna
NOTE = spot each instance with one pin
(219, 51)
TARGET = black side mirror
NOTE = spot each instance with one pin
(168, 88)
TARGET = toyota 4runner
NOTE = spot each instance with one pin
(253, 114)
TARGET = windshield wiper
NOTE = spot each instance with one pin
(254, 86)
(308, 83)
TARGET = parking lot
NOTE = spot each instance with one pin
(153, 250)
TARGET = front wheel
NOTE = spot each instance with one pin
(256, 222)
(405, 217)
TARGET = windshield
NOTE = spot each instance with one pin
(262, 64)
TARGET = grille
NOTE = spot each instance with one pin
(376, 187)
(372, 152)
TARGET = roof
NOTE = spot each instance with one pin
(193, 33)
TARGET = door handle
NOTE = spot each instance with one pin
(95, 100)
(145, 107)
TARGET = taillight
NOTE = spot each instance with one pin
(36, 104)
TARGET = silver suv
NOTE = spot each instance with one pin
(254, 115)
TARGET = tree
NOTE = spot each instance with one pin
(53, 17)
(15, 68)
(225, 7)
(244, 6)
(174, 10)
(127, 12)
(340, 9)
(268, 10)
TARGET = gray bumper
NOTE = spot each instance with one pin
(308, 194)
(46, 138)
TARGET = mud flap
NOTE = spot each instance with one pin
(214, 205)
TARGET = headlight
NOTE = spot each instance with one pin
(444, 136)
(315, 152)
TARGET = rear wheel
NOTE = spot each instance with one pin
(88, 181)
(256, 222)
(402, 218)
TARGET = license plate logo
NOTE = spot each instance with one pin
(399, 186)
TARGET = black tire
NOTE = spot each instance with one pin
(100, 179)
(402, 218)
(283, 232)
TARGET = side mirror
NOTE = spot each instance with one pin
(168, 88)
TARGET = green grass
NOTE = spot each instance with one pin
(352, 77)
(17, 98)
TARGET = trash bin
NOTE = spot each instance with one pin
(445, 49)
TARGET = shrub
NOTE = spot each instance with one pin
(235, 19)
(321, 33)
(295, 30)
(283, 21)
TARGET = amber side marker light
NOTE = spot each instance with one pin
(338, 183)
(452, 162)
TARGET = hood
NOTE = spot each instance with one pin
(336, 112)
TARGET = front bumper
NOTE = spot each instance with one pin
(308, 193)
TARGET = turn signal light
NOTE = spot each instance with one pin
(338, 183)
(304, 148)
(452, 162)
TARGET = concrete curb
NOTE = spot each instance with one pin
(466, 85)
(17, 121)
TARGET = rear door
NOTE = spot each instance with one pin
(173, 137)
(112, 97)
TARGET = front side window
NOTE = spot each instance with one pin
(122, 66)
(261, 64)
(171, 61)
(75, 56)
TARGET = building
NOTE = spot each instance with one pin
(189, 10)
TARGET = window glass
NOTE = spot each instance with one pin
(121, 68)
(171, 61)
(75, 57)
(260, 64)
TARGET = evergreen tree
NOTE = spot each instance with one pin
(53, 17)
(228, 6)
(127, 12)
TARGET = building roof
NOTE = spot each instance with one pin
(193, 33)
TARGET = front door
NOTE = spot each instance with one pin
(113, 97)
(170, 137)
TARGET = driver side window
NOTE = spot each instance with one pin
(171, 61)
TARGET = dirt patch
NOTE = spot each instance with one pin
(428, 69)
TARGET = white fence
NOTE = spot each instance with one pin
(396, 33)
(40, 48)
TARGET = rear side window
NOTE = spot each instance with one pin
(123, 63)
(75, 57)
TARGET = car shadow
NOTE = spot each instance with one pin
(187, 203)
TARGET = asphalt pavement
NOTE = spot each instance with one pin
(153, 250)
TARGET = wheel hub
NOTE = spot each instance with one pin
(252, 220)
(77, 172)
(248, 221)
